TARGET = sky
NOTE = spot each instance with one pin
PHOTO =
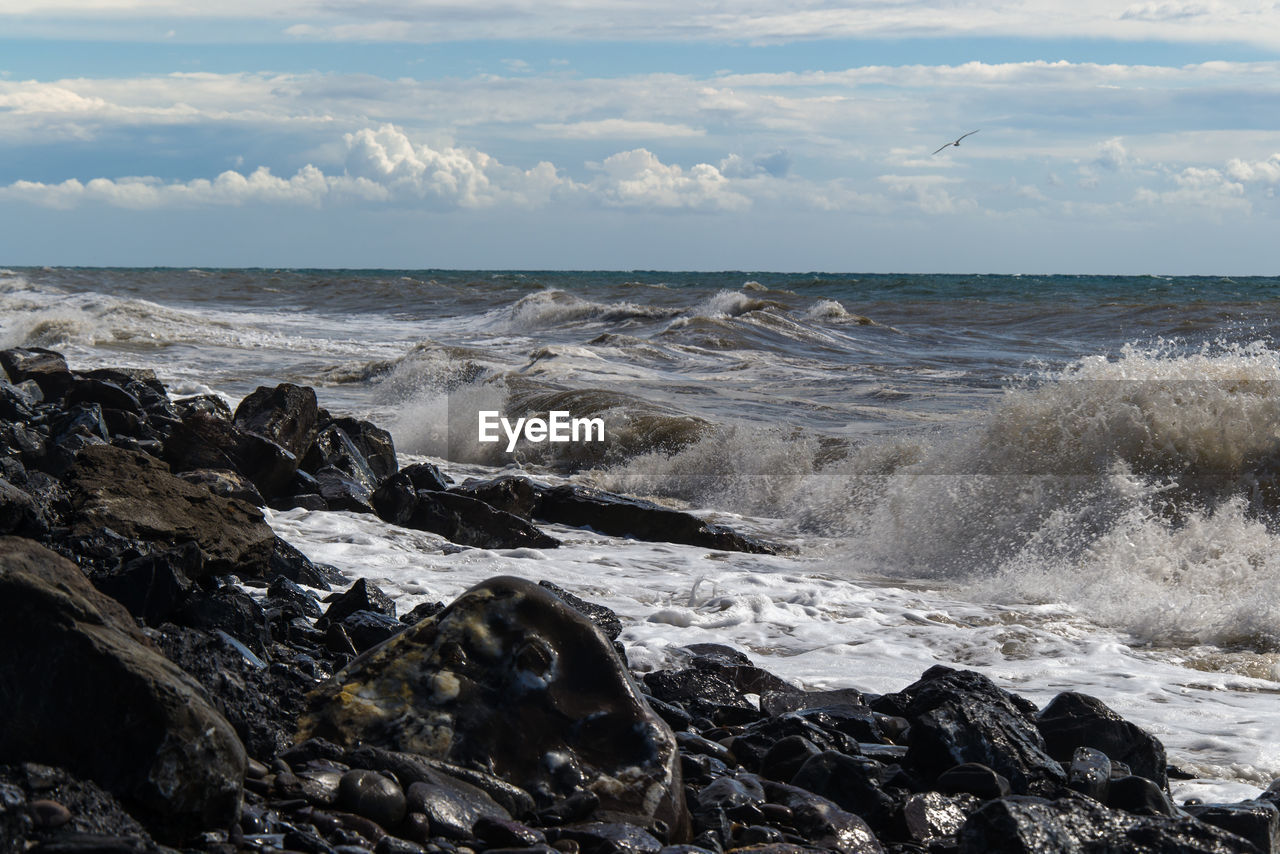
(1108, 136)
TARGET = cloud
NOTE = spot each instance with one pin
(929, 193)
(1259, 171)
(619, 129)
(1112, 154)
(776, 164)
(1199, 188)
(638, 179)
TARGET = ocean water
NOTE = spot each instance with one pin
(1067, 483)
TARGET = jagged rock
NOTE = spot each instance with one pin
(363, 595)
(1031, 825)
(700, 692)
(973, 778)
(20, 513)
(84, 689)
(510, 493)
(503, 677)
(225, 482)
(854, 783)
(334, 449)
(605, 619)
(153, 586)
(791, 699)
(15, 403)
(107, 395)
(203, 441)
(932, 817)
(1257, 821)
(1090, 773)
(367, 629)
(47, 368)
(228, 610)
(1074, 720)
(460, 519)
(135, 495)
(286, 414)
(821, 822)
(620, 516)
(206, 404)
(1138, 795)
(961, 716)
(374, 444)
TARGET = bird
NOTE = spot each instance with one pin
(957, 142)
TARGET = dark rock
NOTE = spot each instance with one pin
(604, 619)
(698, 691)
(752, 745)
(363, 595)
(47, 368)
(453, 806)
(15, 404)
(506, 833)
(1090, 773)
(509, 493)
(1138, 795)
(730, 792)
(228, 610)
(286, 414)
(202, 441)
(620, 516)
(1257, 821)
(609, 838)
(100, 700)
(281, 592)
(359, 448)
(205, 404)
(426, 476)
(503, 677)
(367, 629)
(288, 562)
(790, 699)
(107, 395)
(18, 440)
(227, 483)
(154, 585)
(1030, 825)
(40, 804)
(961, 716)
(20, 513)
(853, 783)
(374, 796)
(135, 495)
(822, 823)
(455, 517)
(410, 768)
(973, 778)
(1074, 720)
(421, 611)
(84, 419)
(932, 817)
(787, 756)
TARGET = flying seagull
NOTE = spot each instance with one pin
(957, 142)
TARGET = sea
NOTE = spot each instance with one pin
(1063, 482)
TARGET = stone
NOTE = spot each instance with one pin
(609, 838)
(341, 491)
(288, 562)
(225, 482)
(1138, 795)
(229, 610)
(1090, 773)
(375, 796)
(453, 807)
(367, 629)
(853, 783)
(46, 367)
(1074, 720)
(604, 619)
(105, 394)
(789, 699)
(1031, 825)
(375, 446)
(206, 404)
(620, 516)
(934, 817)
(362, 595)
(412, 768)
(135, 495)
(20, 513)
(202, 441)
(961, 716)
(153, 585)
(286, 414)
(457, 518)
(509, 493)
(15, 403)
(83, 688)
(973, 778)
(1257, 821)
(822, 823)
(510, 680)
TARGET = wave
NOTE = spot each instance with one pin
(554, 307)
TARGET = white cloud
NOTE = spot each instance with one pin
(929, 193)
(1199, 189)
(1112, 154)
(618, 129)
(1259, 171)
(638, 179)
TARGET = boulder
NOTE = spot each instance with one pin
(1257, 821)
(202, 441)
(47, 368)
(286, 414)
(960, 716)
(1073, 720)
(463, 520)
(510, 680)
(374, 444)
(82, 688)
(134, 495)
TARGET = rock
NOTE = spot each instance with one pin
(506, 676)
(620, 516)
(457, 518)
(367, 629)
(286, 595)
(699, 692)
(84, 689)
(853, 783)
(1074, 720)
(933, 817)
(20, 513)
(203, 441)
(15, 403)
(363, 595)
(206, 404)
(609, 838)
(604, 619)
(454, 807)
(228, 610)
(154, 585)
(374, 796)
(136, 496)
(411, 768)
(227, 483)
(1138, 795)
(340, 491)
(40, 804)
(375, 446)
(1030, 825)
(286, 414)
(961, 716)
(509, 493)
(1257, 821)
(47, 368)
(1090, 773)
(107, 395)
(822, 823)
(790, 699)
(973, 778)
(292, 564)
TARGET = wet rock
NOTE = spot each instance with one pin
(362, 595)
(47, 368)
(1138, 795)
(853, 783)
(822, 823)
(1031, 825)
(373, 444)
(790, 699)
(604, 619)
(609, 838)
(227, 483)
(341, 491)
(40, 804)
(961, 716)
(154, 585)
(107, 395)
(1257, 821)
(455, 517)
(506, 833)
(620, 516)
(202, 441)
(730, 792)
(1090, 773)
(1074, 720)
(288, 562)
(412, 768)
(83, 688)
(509, 493)
(205, 404)
(511, 680)
(20, 513)
(229, 610)
(286, 414)
(453, 807)
(700, 692)
(136, 496)
(932, 817)
(753, 744)
(367, 629)
(975, 779)
(374, 796)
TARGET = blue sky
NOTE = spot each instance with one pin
(1142, 137)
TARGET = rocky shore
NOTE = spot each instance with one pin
(176, 677)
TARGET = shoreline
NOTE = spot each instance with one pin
(98, 464)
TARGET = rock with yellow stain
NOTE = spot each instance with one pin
(511, 681)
